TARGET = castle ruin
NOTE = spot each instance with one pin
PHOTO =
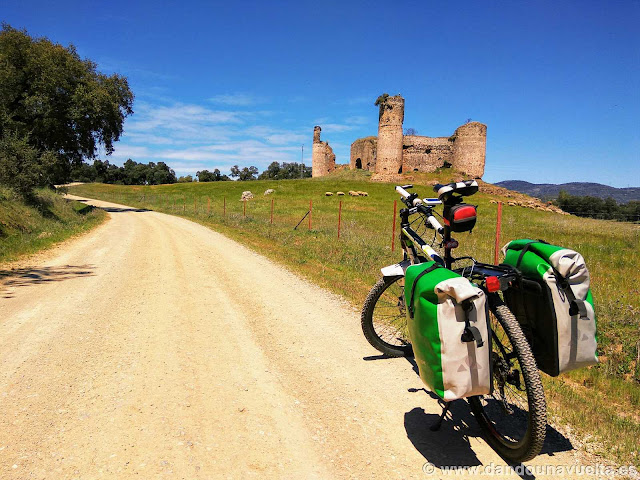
(323, 160)
(391, 152)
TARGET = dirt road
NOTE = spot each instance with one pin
(154, 347)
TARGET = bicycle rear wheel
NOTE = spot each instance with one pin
(514, 416)
(383, 319)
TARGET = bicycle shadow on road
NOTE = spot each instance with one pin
(21, 277)
(450, 445)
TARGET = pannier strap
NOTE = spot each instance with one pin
(470, 334)
(525, 249)
(410, 305)
(576, 306)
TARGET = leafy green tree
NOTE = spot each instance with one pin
(161, 174)
(207, 176)
(247, 173)
(235, 171)
(56, 109)
(284, 171)
(185, 179)
(83, 173)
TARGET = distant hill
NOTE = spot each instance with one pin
(549, 190)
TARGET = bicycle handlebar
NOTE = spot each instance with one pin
(410, 199)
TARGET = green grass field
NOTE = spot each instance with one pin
(600, 403)
(26, 229)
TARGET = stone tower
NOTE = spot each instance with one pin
(323, 160)
(469, 148)
(389, 150)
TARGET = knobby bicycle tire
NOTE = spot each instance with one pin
(489, 410)
(383, 318)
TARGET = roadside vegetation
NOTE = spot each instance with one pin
(26, 228)
(600, 404)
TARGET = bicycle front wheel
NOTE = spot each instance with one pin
(383, 319)
(514, 416)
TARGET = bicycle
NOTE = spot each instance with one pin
(513, 416)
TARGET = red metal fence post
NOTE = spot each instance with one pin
(208, 206)
(272, 210)
(310, 209)
(339, 216)
(393, 235)
(498, 228)
(244, 208)
(224, 207)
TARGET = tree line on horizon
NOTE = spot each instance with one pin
(594, 207)
(134, 173)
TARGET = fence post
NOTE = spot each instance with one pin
(224, 207)
(195, 208)
(208, 206)
(310, 209)
(498, 228)
(271, 210)
(184, 205)
(393, 234)
(339, 216)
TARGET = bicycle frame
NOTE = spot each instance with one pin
(417, 250)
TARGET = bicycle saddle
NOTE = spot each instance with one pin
(466, 188)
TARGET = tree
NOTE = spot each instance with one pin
(410, 131)
(207, 176)
(161, 174)
(235, 171)
(186, 179)
(56, 104)
(276, 171)
(247, 173)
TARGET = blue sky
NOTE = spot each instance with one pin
(224, 83)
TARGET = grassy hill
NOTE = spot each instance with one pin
(350, 266)
(28, 228)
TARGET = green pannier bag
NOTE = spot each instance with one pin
(553, 304)
(449, 331)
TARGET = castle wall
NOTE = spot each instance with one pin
(469, 149)
(393, 153)
(363, 154)
(323, 160)
(389, 151)
(425, 154)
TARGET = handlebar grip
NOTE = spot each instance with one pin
(402, 191)
(413, 197)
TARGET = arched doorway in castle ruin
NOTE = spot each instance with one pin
(359, 163)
